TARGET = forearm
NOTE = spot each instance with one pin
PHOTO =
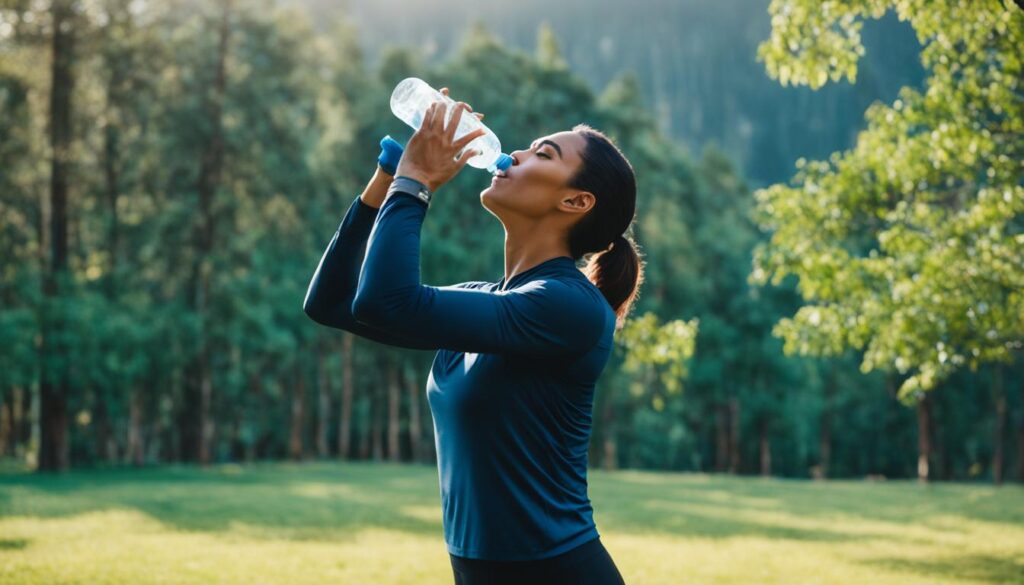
(334, 282)
(377, 188)
(333, 286)
(389, 282)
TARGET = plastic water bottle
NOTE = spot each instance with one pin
(410, 100)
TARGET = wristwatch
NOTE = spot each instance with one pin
(412, 186)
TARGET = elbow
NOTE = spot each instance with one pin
(393, 309)
(310, 306)
(312, 311)
(367, 310)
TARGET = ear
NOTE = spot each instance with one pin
(579, 201)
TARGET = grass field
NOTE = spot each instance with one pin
(380, 523)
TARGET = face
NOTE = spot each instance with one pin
(535, 186)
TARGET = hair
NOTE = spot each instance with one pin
(614, 264)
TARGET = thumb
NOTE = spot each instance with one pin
(465, 156)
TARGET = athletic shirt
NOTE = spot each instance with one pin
(511, 387)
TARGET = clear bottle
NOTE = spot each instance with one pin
(409, 101)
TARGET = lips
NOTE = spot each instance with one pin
(503, 173)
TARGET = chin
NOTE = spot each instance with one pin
(490, 199)
(486, 196)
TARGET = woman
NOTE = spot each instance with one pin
(511, 386)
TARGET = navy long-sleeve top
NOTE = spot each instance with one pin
(511, 386)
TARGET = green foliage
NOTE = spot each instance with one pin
(910, 245)
(655, 349)
(695, 61)
(302, 114)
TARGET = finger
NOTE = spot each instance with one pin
(440, 113)
(466, 155)
(453, 124)
(470, 137)
(478, 115)
(444, 90)
(428, 121)
(428, 117)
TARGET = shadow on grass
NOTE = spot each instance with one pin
(13, 543)
(332, 501)
(294, 501)
(986, 568)
(829, 503)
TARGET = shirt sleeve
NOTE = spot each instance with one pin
(542, 317)
(331, 290)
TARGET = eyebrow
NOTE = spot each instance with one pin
(556, 147)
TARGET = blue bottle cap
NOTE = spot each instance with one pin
(393, 147)
(504, 161)
(390, 154)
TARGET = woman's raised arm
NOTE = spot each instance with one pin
(333, 286)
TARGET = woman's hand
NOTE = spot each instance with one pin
(430, 155)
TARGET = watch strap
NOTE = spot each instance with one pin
(411, 186)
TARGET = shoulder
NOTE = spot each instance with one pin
(568, 301)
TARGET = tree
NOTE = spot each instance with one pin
(909, 245)
(910, 239)
(55, 384)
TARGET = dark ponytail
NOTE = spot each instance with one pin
(614, 264)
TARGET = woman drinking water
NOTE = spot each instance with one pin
(511, 387)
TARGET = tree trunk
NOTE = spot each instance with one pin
(1020, 437)
(206, 419)
(765, 448)
(252, 451)
(54, 383)
(324, 404)
(721, 437)
(610, 457)
(18, 419)
(924, 445)
(5, 425)
(394, 416)
(365, 432)
(211, 165)
(999, 397)
(940, 451)
(610, 447)
(825, 429)
(112, 176)
(295, 449)
(415, 428)
(106, 446)
(237, 450)
(112, 180)
(136, 452)
(734, 435)
(345, 424)
(377, 418)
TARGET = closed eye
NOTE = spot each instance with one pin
(542, 154)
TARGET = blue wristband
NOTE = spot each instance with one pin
(390, 153)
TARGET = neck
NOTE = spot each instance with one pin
(529, 245)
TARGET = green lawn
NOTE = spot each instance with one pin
(380, 523)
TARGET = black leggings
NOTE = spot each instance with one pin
(587, 564)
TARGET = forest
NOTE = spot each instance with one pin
(833, 237)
